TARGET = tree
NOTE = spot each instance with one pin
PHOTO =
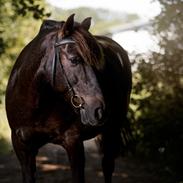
(36, 7)
(157, 100)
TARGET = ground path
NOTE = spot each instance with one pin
(53, 167)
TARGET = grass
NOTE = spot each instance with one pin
(5, 140)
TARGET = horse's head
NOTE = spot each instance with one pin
(77, 55)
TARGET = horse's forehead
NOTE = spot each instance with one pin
(69, 49)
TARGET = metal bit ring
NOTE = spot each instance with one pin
(77, 101)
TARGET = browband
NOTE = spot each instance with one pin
(64, 41)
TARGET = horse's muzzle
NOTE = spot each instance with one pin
(90, 115)
(90, 119)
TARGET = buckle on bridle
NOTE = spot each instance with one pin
(77, 101)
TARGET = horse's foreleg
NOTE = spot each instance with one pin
(111, 148)
(26, 156)
(77, 161)
(108, 167)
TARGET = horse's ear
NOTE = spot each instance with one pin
(86, 23)
(67, 27)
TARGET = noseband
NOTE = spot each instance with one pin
(76, 101)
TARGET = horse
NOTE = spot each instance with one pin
(68, 86)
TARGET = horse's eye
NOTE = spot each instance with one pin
(75, 60)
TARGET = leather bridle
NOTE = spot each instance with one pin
(76, 101)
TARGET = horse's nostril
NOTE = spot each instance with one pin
(99, 113)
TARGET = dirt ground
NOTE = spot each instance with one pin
(53, 167)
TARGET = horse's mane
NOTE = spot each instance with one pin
(88, 48)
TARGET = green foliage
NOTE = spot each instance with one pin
(35, 7)
(157, 99)
(5, 144)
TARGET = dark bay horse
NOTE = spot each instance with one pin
(65, 87)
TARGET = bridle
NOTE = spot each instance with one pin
(76, 101)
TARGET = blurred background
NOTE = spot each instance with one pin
(152, 33)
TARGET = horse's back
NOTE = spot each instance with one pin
(117, 72)
(116, 60)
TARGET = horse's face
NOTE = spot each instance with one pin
(83, 90)
(85, 93)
